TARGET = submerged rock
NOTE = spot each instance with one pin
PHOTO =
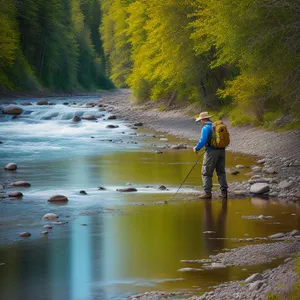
(58, 198)
(259, 188)
(50, 216)
(25, 234)
(127, 189)
(13, 110)
(15, 195)
(20, 184)
(11, 167)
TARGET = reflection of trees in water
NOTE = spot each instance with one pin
(214, 240)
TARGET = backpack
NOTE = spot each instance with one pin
(220, 135)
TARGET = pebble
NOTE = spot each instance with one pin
(190, 270)
(239, 166)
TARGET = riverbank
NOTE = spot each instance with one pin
(279, 152)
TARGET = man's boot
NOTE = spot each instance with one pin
(205, 196)
(223, 194)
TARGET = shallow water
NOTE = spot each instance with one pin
(114, 244)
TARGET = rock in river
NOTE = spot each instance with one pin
(162, 188)
(42, 102)
(259, 188)
(25, 234)
(13, 110)
(111, 117)
(276, 236)
(58, 198)
(112, 126)
(76, 119)
(11, 167)
(127, 189)
(20, 184)
(15, 195)
(138, 124)
(82, 192)
(88, 117)
(50, 216)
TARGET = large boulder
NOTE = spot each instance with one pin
(58, 198)
(11, 167)
(20, 184)
(12, 110)
(259, 188)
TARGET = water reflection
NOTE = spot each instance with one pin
(214, 230)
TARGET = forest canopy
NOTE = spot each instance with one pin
(241, 53)
(53, 45)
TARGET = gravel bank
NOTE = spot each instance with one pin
(279, 281)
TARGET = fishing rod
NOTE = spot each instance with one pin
(188, 175)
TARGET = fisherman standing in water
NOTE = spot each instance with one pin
(214, 157)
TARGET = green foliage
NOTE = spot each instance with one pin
(52, 42)
(239, 118)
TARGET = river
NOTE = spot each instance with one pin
(114, 244)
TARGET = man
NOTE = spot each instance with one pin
(214, 158)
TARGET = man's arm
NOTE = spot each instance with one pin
(203, 140)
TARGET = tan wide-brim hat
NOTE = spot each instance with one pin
(203, 115)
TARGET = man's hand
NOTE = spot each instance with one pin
(194, 149)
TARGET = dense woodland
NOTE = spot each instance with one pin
(53, 44)
(239, 55)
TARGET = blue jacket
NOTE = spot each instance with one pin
(205, 136)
